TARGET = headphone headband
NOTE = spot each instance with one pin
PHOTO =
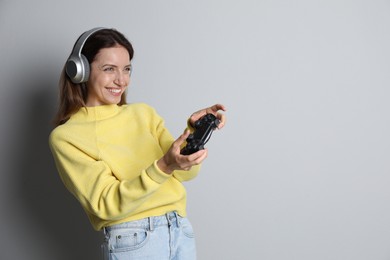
(77, 65)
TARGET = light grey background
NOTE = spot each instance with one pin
(301, 170)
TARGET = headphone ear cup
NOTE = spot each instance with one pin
(72, 68)
(77, 68)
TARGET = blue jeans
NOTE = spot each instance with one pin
(166, 237)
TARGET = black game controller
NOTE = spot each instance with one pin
(204, 127)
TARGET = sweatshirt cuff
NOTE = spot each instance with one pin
(189, 125)
(156, 174)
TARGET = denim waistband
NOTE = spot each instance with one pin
(170, 218)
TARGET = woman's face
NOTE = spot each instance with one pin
(109, 76)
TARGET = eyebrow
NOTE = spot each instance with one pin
(112, 65)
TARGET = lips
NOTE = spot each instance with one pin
(115, 91)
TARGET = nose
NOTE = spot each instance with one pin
(121, 79)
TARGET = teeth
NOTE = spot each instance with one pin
(116, 91)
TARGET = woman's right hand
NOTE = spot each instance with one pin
(173, 160)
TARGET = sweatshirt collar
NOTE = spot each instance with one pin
(95, 113)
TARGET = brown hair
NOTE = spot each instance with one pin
(73, 96)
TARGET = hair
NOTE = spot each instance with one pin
(73, 96)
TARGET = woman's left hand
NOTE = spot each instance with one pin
(210, 110)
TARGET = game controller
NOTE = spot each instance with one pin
(204, 127)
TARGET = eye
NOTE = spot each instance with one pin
(128, 69)
(108, 69)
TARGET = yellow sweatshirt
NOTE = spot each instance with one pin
(106, 157)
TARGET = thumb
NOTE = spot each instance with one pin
(182, 138)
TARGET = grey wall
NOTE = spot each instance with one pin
(301, 170)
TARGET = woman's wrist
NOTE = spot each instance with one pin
(163, 166)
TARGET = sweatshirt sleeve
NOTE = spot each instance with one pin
(91, 181)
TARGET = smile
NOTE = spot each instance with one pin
(114, 90)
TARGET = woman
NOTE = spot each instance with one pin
(118, 159)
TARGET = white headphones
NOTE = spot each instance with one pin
(77, 65)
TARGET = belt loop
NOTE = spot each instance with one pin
(106, 233)
(177, 219)
(168, 219)
(151, 224)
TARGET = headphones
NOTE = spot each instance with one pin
(77, 65)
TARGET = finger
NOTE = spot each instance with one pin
(210, 110)
(222, 120)
(215, 108)
(198, 157)
(202, 157)
(184, 136)
(197, 115)
(179, 141)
